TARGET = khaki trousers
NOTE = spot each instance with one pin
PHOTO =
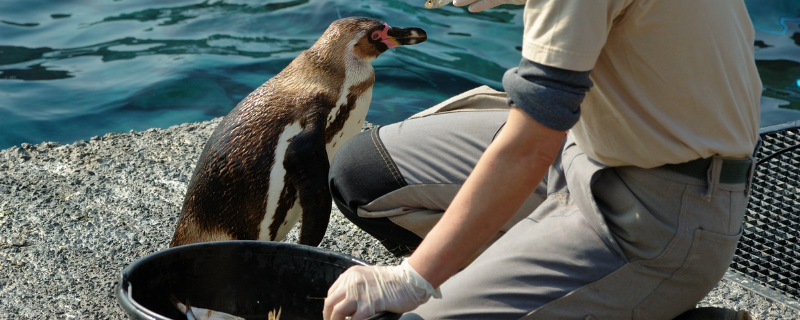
(592, 242)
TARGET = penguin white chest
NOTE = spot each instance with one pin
(352, 126)
(278, 190)
(357, 73)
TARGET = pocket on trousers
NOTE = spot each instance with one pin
(705, 265)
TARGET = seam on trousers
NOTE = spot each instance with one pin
(550, 309)
(462, 110)
(387, 160)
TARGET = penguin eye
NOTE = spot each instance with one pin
(376, 35)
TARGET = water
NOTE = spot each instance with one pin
(70, 70)
(777, 49)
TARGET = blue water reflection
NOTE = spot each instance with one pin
(70, 70)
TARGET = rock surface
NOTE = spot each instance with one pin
(73, 216)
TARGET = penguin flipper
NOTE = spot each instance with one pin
(307, 163)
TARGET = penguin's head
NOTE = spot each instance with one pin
(368, 38)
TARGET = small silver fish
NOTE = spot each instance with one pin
(433, 4)
(194, 313)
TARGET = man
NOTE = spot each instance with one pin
(635, 214)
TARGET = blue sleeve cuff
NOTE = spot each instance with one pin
(550, 95)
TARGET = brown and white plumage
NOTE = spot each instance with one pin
(267, 162)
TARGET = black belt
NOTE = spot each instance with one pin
(733, 170)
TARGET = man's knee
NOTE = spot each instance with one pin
(362, 170)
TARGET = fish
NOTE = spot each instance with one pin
(433, 4)
(194, 313)
(274, 316)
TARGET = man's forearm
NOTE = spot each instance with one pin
(505, 176)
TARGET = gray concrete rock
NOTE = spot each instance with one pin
(73, 216)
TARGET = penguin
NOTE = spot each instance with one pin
(266, 165)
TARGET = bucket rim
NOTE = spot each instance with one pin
(124, 287)
(236, 243)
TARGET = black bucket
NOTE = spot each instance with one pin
(243, 278)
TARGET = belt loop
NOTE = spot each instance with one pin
(753, 164)
(749, 183)
(713, 176)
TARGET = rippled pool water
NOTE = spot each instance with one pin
(70, 70)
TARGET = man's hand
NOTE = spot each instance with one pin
(361, 292)
(481, 5)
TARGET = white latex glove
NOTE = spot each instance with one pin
(481, 5)
(363, 291)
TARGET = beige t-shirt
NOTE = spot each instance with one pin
(674, 80)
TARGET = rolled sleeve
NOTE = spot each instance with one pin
(551, 96)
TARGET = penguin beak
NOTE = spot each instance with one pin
(404, 37)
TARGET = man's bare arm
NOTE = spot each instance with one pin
(505, 176)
